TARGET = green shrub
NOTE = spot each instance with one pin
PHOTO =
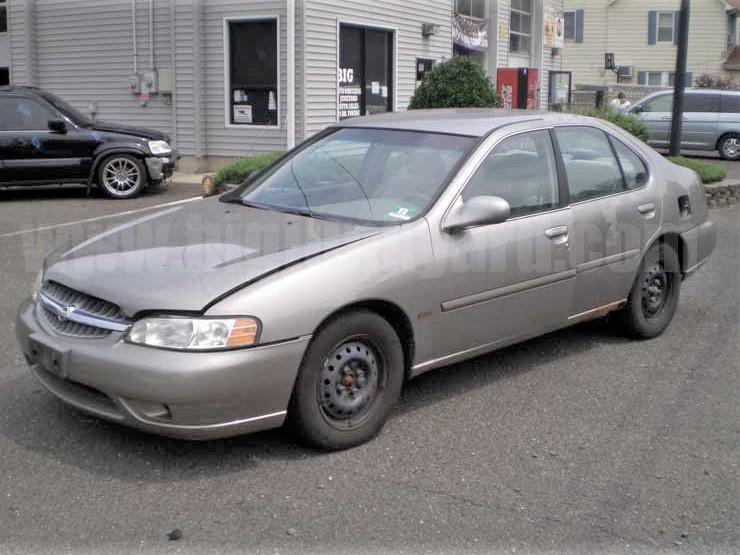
(238, 170)
(628, 122)
(456, 83)
(709, 173)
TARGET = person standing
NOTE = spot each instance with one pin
(620, 103)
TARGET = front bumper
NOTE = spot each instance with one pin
(171, 393)
(698, 245)
(160, 167)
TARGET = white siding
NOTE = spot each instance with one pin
(405, 18)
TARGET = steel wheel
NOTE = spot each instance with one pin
(655, 286)
(729, 147)
(122, 176)
(349, 381)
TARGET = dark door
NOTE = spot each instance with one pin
(31, 152)
(365, 71)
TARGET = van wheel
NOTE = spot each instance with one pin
(122, 176)
(654, 296)
(729, 146)
(348, 383)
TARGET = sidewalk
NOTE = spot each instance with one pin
(183, 178)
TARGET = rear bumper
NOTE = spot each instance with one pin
(698, 244)
(171, 393)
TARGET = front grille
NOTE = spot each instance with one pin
(87, 304)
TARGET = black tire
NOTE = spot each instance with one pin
(654, 296)
(729, 146)
(349, 381)
(122, 176)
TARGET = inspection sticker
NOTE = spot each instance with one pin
(402, 213)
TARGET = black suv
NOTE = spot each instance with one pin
(44, 140)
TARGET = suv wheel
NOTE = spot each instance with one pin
(729, 146)
(121, 176)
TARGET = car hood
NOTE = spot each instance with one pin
(187, 256)
(109, 127)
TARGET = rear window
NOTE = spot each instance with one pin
(730, 104)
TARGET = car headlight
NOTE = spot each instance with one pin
(195, 334)
(159, 148)
(36, 287)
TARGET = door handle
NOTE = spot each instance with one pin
(555, 232)
(646, 208)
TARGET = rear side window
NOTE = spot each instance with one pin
(634, 169)
(701, 103)
(23, 114)
(730, 104)
(521, 169)
(590, 165)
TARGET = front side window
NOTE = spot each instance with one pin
(662, 103)
(520, 26)
(23, 114)
(590, 165)
(252, 62)
(520, 169)
(377, 176)
(665, 29)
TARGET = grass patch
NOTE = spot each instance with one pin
(709, 173)
(238, 170)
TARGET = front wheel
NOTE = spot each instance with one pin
(348, 383)
(654, 296)
(122, 176)
(729, 147)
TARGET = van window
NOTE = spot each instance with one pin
(730, 104)
(662, 103)
(701, 103)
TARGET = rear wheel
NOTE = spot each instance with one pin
(654, 296)
(348, 383)
(122, 176)
(729, 147)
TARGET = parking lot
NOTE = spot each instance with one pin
(577, 442)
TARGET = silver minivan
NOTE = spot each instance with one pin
(711, 120)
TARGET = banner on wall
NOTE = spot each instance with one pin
(469, 32)
(554, 26)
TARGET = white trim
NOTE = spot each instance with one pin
(227, 71)
(394, 30)
(290, 77)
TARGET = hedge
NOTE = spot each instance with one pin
(455, 83)
(628, 122)
(239, 170)
(709, 173)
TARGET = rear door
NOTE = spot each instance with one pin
(31, 152)
(700, 121)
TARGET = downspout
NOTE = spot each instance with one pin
(151, 34)
(173, 61)
(197, 85)
(133, 27)
(290, 116)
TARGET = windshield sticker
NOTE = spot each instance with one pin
(402, 213)
(23, 109)
(36, 142)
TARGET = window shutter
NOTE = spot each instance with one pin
(579, 25)
(676, 22)
(689, 79)
(642, 77)
(652, 24)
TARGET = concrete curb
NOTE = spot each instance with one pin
(722, 193)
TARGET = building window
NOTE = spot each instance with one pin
(520, 26)
(252, 62)
(661, 78)
(4, 76)
(665, 27)
(471, 8)
(570, 26)
(3, 17)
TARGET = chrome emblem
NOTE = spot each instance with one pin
(67, 311)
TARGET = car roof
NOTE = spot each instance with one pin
(18, 88)
(475, 122)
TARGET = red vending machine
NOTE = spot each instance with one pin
(517, 87)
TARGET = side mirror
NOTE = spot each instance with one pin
(637, 110)
(57, 126)
(476, 211)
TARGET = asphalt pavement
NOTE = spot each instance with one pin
(579, 442)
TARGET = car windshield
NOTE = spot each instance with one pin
(378, 176)
(77, 117)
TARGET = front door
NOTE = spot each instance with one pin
(512, 280)
(657, 114)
